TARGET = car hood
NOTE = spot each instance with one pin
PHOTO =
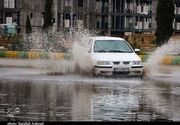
(116, 57)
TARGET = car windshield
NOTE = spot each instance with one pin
(112, 46)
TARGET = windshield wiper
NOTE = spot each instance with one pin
(100, 51)
(114, 51)
(119, 51)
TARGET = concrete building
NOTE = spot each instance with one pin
(177, 16)
(16, 11)
(112, 17)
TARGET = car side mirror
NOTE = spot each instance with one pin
(137, 50)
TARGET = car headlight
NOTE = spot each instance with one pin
(136, 63)
(103, 62)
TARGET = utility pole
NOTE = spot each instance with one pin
(61, 14)
(88, 14)
(109, 17)
(71, 19)
(55, 15)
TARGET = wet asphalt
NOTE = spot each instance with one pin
(30, 94)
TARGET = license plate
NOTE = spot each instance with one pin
(121, 69)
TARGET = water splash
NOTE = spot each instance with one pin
(61, 41)
(49, 41)
(155, 60)
(80, 50)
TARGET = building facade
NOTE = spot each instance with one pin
(112, 17)
(16, 11)
(177, 16)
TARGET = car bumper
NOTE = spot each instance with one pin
(110, 70)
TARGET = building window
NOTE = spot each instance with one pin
(98, 20)
(80, 3)
(31, 15)
(9, 3)
(68, 2)
(1, 17)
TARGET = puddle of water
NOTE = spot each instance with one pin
(89, 101)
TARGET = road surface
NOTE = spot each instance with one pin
(32, 94)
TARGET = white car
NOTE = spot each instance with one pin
(114, 56)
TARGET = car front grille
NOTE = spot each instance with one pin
(126, 62)
(121, 73)
(116, 63)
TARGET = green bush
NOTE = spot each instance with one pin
(17, 43)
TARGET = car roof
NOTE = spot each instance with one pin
(106, 38)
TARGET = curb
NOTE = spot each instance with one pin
(168, 59)
(35, 55)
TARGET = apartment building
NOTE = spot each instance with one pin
(16, 11)
(112, 17)
(177, 16)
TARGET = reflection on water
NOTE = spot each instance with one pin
(78, 101)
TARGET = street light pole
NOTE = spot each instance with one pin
(55, 15)
(109, 17)
(71, 19)
(61, 15)
(87, 14)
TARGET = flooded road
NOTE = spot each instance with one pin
(32, 95)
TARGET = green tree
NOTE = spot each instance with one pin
(28, 25)
(48, 15)
(164, 20)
